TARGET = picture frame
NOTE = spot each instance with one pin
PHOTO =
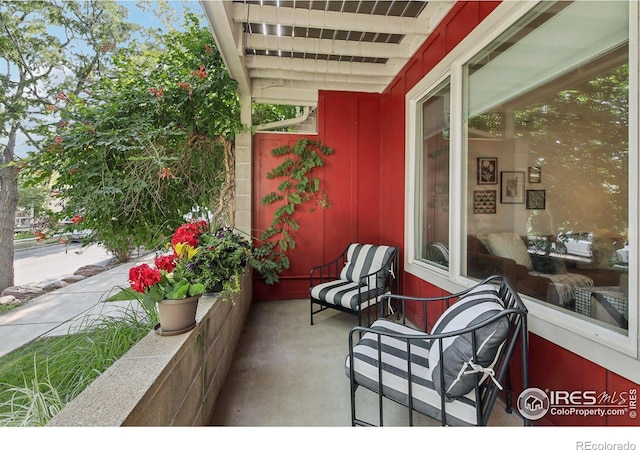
(536, 199)
(484, 202)
(487, 170)
(512, 187)
(535, 174)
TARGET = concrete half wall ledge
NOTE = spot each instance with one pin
(167, 380)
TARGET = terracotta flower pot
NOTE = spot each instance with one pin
(177, 316)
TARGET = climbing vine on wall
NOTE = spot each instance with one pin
(298, 189)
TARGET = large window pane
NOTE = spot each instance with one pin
(547, 109)
(432, 173)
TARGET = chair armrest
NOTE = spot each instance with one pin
(328, 271)
(506, 289)
(418, 334)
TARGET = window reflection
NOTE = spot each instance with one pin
(556, 128)
(433, 176)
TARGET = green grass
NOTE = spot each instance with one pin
(36, 381)
(8, 307)
(23, 235)
(125, 294)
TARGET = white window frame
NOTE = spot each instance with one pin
(605, 347)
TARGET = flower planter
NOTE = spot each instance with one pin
(177, 316)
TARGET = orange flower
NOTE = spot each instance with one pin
(166, 173)
(157, 92)
(200, 73)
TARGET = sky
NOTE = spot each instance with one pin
(136, 15)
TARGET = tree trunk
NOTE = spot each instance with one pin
(8, 204)
(226, 201)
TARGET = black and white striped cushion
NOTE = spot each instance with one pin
(426, 400)
(479, 304)
(363, 259)
(346, 294)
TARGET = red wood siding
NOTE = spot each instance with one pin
(551, 366)
(365, 183)
(349, 123)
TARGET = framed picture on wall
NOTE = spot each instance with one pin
(535, 174)
(487, 170)
(536, 199)
(484, 202)
(511, 187)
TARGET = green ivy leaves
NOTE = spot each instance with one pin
(298, 188)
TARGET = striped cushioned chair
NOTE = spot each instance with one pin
(355, 280)
(457, 369)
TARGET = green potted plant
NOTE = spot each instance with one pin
(221, 259)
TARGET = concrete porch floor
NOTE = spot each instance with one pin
(287, 373)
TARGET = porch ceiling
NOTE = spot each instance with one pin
(283, 52)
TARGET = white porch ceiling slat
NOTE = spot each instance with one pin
(325, 46)
(327, 19)
(372, 82)
(316, 65)
(284, 52)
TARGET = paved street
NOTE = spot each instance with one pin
(41, 263)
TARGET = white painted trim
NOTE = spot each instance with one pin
(333, 20)
(595, 343)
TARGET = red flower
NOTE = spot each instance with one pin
(142, 277)
(188, 233)
(166, 262)
(77, 219)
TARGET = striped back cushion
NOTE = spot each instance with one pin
(363, 259)
(479, 304)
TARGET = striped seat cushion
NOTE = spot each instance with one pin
(363, 259)
(345, 293)
(478, 305)
(426, 400)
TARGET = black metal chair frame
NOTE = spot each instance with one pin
(485, 392)
(331, 271)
